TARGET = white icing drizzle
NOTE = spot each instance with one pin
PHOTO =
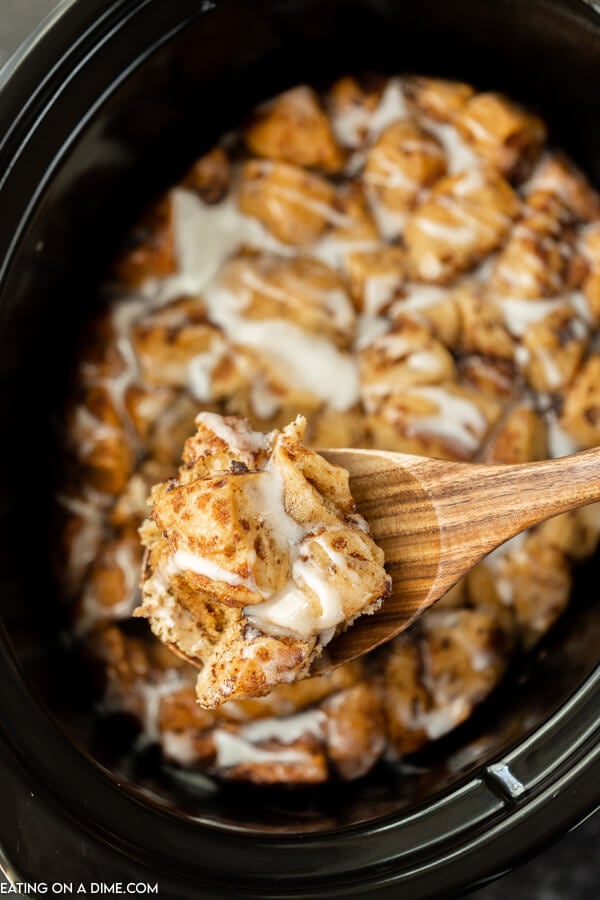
(425, 361)
(355, 124)
(233, 750)
(201, 368)
(335, 301)
(306, 361)
(437, 722)
(351, 124)
(90, 509)
(124, 311)
(92, 611)
(237, 438)
(308, 573)
(127, 560)
(206, 235)
(240, 748)
(324, 210)
(520, 314)
(270, 500)
(593, 229)
(179, 746)
(390, 222)
(286, 730)
(338, 559)
(333, 249)
(91, 431)
(378, 291)
(522, 277)
(459, 155)
(549, 177)
(392, 107)
(185, 561)
(152, 695)
(292, 611)
(369, 329)
(451, 234)
(392, 176)
(581, 307)
(553, 374)
(264, 400)
(458, 418)
(474, 222)
(287, 612)
(419, 296)
(123, 314)
(429, 265)
(480, 658)
(496, 561)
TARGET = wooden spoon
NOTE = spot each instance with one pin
(436, 519)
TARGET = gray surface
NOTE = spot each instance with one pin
(17, 19)
(569, 870)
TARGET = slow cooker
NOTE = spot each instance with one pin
(100, 110)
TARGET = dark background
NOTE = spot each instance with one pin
(570, 868)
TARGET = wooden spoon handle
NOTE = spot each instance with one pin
(481, 506)
(436, 519)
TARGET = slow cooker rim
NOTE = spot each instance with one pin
(68, 7)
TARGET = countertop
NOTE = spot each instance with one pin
(569, 869)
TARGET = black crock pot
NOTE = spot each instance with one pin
(104, 108)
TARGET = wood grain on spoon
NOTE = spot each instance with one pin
(436, 519)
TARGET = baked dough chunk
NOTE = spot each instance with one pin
(465, 651)
(374, 277)
(293, 128)
(256, 558)
(111, 587)
(352, 103)
(555, 176)
(501, 132)
(169, 342)
(520, 437)
(210, 176)
(437, 98)
(483, 328)
(554, 348)
(151, 249)
(301, 290)
(404, 160)
(403, 357)
(580, 416)
(434, 675)
(495, 377)
(589, 249)
(101, 441)
(343, 734)
(296, 206)
(448, 420)
(465, 216)
(535, 261)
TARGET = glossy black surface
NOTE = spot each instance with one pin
(133, 91)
